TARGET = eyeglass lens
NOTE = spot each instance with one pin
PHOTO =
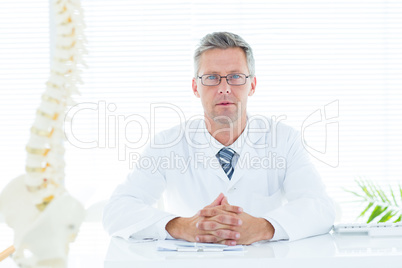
(215, 79)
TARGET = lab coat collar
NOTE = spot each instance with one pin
(208, 146)
(255, 129)
(237, 146)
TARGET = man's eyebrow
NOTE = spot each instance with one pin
(230, 72)
(214, 72)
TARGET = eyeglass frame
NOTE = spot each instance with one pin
(226, 77)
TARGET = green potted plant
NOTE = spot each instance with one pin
(381, 205)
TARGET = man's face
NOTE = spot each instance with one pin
(224, 103)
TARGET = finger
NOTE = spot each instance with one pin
(209, 225)
(218, 237)
(215, 240)
(217, 201)
(229, 242)
(231, 219)
(207, 239)
(209, 212)
(224, 209)
(226, 206)
(220, 222)
(225, 201)
(227, 234)
(230, 208)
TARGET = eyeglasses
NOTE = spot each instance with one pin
(231, 79)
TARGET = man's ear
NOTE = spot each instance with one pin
(195, 90)
(253, 86)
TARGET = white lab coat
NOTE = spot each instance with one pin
(273, 179)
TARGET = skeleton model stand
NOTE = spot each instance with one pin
(44, 217)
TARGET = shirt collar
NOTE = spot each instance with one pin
(201, 141)
(216, 146)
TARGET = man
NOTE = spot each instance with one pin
(245, 178)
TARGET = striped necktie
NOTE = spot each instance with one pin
(225, 156)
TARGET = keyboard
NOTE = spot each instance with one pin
(371, 229)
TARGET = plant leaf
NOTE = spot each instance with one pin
(377, 191)
(365, 189)
(387, 216)
(365, 210)
(373, 191)
(386, 204)
(360, 183)
(400, 190)
(384, 195)
(378, 210)
(356, 194)
(393, 196)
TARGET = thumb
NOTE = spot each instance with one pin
(225, 201)
(217, 201)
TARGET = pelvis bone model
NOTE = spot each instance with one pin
(44, 217)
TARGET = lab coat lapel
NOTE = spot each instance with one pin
(211, 163)
(249, 150)
(243, 165)
(202, 147)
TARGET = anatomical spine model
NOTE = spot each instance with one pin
(44, 217)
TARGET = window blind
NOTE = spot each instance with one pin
(24, 69)
(331, 70)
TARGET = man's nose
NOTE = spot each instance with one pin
(224, 87)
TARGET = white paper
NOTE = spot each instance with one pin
(184, 246)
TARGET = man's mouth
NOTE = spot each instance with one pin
(224, 103)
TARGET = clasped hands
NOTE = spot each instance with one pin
(221, 223)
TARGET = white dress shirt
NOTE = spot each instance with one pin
(273, 179)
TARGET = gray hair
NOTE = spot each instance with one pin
(223, 40)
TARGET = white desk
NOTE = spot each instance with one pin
(94, 249)
(321, 251)
(88, 250)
